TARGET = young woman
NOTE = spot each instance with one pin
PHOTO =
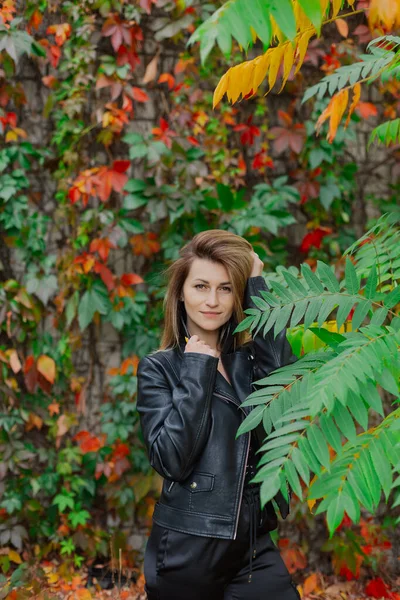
(210, 539)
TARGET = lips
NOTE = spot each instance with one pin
(210, 314)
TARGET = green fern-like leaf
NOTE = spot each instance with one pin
(387, 133)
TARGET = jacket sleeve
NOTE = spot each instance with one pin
(270, 353)
(176, 423)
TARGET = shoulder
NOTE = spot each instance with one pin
(159, 360)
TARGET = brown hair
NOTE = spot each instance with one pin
(230, 250)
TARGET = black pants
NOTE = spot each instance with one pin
(179, 566)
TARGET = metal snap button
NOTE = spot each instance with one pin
(193, 485)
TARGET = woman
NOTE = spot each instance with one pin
(210, 540)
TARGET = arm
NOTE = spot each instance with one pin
(270, 353)
(176, 423)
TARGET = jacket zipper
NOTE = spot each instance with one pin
(247, 455)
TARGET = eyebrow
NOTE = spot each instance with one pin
(205, 281)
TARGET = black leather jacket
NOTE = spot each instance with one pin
(189, 419)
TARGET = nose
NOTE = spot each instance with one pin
(212, 299)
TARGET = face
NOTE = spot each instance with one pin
(208, 295)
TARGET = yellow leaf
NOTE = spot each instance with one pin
(288, 59)
(260, 69)
(14, 557)
(311, 504)
(276, 32)
(221, 88)
(356, 98)
(302, 46)
(240, 80)
(384, 12)
(324, 6)
(52, 578)
(253, 34)
(275, 63)
(302, 21)
(336, 6)
(11, 136)
(47, 367)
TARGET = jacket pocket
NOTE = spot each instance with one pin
(199, 482)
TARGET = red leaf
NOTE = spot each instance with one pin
(377, 588)
(139, 95)
(92, 444)
(105, 274)
(131, 279)
(314, 238)
(367, 109)
(120, 166)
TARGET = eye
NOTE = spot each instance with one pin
(199, 285)
(226, 288)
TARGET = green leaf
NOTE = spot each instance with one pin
(282, 11)
(372, 282)
(298, 425)
(372, 398)
(358, 409)
(360, 313)
(306, 450)
(293, 479)
(312, 9)
(344, 422)
(330, 338)
(335, 513)
(301, 465)
(251, 421)
(269, 488)
(352, 284)
(313, 282)
(327, 276)
(393, 298)
(381, 465)
(319, 446)
(331, 433)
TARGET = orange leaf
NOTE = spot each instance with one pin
(356, 98)
(47, 367)
(310, 584)
(167, 78)
(342, 27)
(334, 111)
(54, 408)
(49, 81)
(83, 594)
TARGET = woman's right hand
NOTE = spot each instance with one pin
(195, 344)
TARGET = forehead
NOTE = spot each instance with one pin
(206, 269)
